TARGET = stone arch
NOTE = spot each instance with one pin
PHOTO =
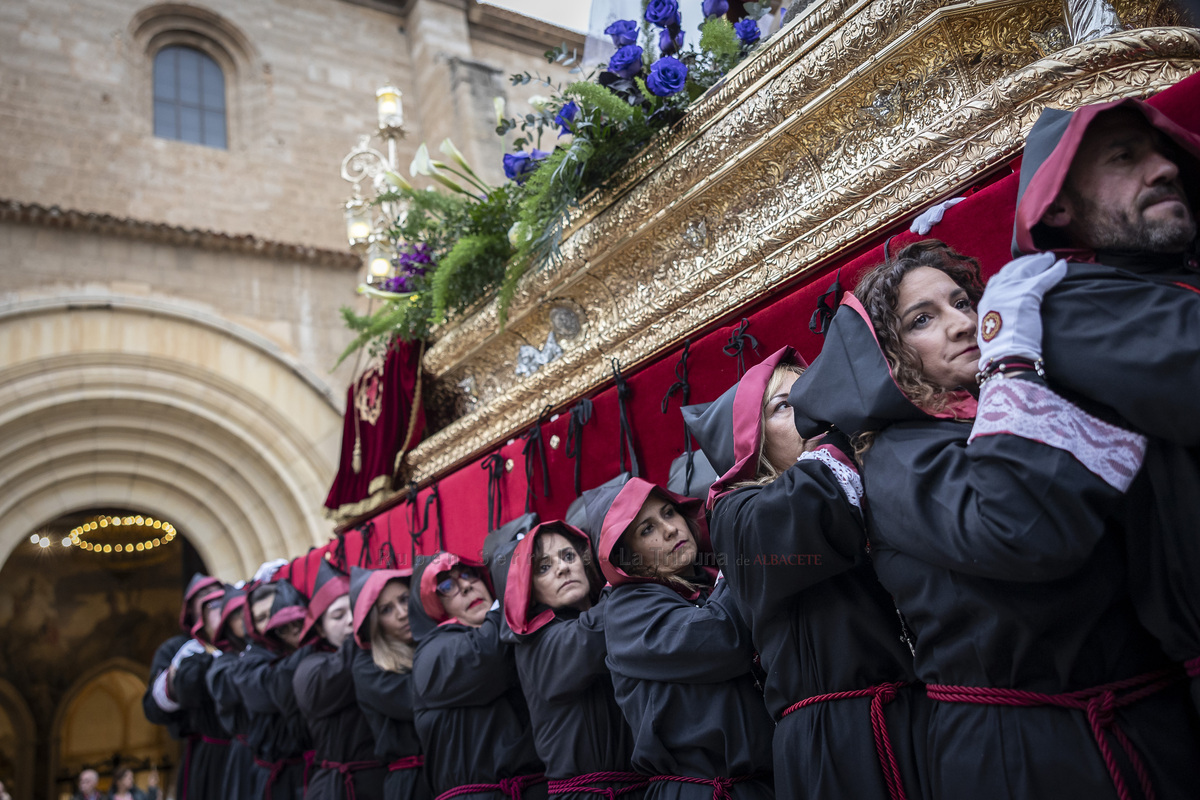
(171, 411)
(24, 729)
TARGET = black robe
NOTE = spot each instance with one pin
(682, 675)
(1122, 331)
(209, 755)
(469, 711)
(177, 723)
(241, 774)
(343, 743)
(386, 700)
(278, 732)
(796, 561)
(796, 557)
(578, 728)
(1005, 557)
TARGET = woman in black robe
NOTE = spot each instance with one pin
(278, 733)
(788, 529)
(470, 714)
(345, 767)
(383, 676)
(188, 685)
(680, 654)
(239, 778)
(993, 529)
(157, 706)
(555, 615)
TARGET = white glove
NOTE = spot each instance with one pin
(1010, 311)
(162, 697)
(925, 221)
(268, 570)
(190, 648)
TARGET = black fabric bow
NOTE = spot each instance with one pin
(535, 445)
(581, 414)
(826, 306)
(684, 388)
(736, 346)
(339, 554)
(417, 533)
(625, 438)
(493, 465)
(364, 554)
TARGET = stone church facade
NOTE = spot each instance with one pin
(172, 262)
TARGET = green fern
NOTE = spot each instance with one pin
(718, 37)
(609, 104)
(466, 251)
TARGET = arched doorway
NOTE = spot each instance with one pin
(17, 736)
(100, 724)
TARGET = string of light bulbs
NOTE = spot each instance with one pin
(163, 533)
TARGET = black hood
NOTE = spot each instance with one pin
(850, 385)
(1049, 150)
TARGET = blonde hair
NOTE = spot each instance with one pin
(390, 655)
(766, 472)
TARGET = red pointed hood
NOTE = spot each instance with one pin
(519, 605)
(365, 586)
(429, 597)
(199, 583)
(233, 603)
(331, 584)
(1049, 150)
(621, 513)
(210, 594)
(730, 429)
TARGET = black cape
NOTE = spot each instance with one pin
(241, 775)
(469, 711)
(795, 555)
(343, 743)
(1006, 561)
(1122, 330)
(209, 756)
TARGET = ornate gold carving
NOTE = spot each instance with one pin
(808, 153)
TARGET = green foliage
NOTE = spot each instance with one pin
(718, 38)
(482, 238)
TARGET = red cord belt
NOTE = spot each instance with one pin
(408, 762)
(276, 768)
(720, 785)
(880, 695)
(511, 787)
(347, 770)
(1192, 667)
(214, 740)
(1099, 702)
(583, 784)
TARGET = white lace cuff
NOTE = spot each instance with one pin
(1031, 411)
(847, 477)
(161, 696)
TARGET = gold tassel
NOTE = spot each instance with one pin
(356, 459)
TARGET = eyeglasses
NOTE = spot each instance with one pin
(449, 586)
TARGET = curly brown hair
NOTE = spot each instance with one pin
(878, 290)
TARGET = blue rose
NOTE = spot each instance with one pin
(565, 116)
(667, 76)
(623, 32)
(747, 30)
(714, 8)
(627, 61)
(519, 166)
(668, 44)
(663, 13)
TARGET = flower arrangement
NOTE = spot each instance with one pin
(454, 248)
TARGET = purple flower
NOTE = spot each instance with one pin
(623, 32)
(413, 261)
(715, 8)
(669, 43)
(667, 76)
(663, 13)
(627, 61)
(565, 116)
(747, 30)
(519, 166)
